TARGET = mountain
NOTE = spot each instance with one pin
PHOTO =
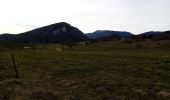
(55, 33)
(6, 36)
(155, 35)
(163, 36)
(151, 33)
(107, 33)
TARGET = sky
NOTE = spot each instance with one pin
(136, 16)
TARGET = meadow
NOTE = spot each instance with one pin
(117, 70)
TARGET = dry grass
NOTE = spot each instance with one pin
(100, 71)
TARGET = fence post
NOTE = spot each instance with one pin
(14, 66)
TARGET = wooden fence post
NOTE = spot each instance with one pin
(14, 66)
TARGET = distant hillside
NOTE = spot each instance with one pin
(6, 36)
(107, 33)
(156, 35)
(164, 36)
(151, 33)
(55, 33)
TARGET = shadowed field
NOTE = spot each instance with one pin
(99, 71)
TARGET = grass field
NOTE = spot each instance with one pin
(99, 71)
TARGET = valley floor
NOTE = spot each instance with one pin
(99, 71)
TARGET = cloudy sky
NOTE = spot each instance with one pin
(135, 16)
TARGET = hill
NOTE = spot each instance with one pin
(107, 33)
(151, 33)
(156, 35)
(6, 36)
(55, 33)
